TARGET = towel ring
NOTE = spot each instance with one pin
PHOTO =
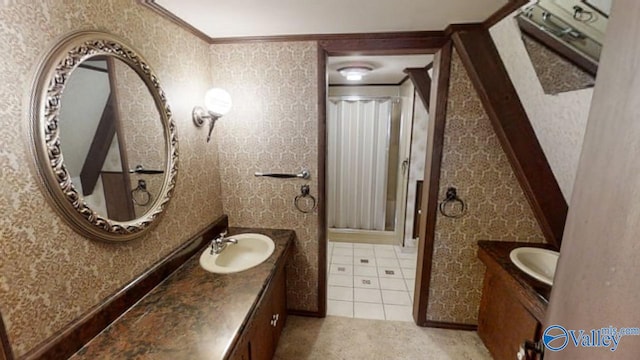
(141, 190)
(451, 198)
(304, 193)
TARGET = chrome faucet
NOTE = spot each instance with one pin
(220, 242)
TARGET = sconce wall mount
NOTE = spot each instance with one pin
(218, 103)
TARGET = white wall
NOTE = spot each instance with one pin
(416, 165)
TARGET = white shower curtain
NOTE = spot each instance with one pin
(358, 147)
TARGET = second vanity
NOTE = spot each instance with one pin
(195, 314)
(513, 303)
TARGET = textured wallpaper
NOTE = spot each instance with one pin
(49, 275)
(273, 126)
(473, 162)
(558, 120)
(555, 73)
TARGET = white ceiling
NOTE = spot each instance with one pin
(235, 18)
(386, 69)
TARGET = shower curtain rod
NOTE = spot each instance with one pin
(362, 98)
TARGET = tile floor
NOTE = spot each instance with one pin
(370, 281)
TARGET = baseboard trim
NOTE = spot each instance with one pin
(306, 313)
(449, 325)
(70, 339)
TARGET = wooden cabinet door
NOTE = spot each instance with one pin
(279, 304)
(261, 338)
(241, 351)
(266, 324)
(503, 323)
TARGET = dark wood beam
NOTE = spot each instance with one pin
(513, 129)
(99, 147)
(323, 91)
(421, 82)
(425, 42)
(435, 141)
(5, 347)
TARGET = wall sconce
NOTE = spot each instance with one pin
(217, 103)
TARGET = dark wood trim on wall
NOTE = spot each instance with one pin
(153, 6)
(401, 36)
(322, 192)
(421, 82)
(513, 129)
(70, 339)
(503, 12)
(435, 140)
(5, 347)
(425, 42)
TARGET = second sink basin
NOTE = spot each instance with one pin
(538, 263)
(251, 250)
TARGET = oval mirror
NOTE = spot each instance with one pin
(103, 137)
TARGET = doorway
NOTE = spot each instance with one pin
(370, 119)
(370, 123)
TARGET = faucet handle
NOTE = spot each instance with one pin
(222, 234)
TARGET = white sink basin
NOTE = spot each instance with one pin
(251, 250)
(538, 263)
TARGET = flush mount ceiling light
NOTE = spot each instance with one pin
(355, 72)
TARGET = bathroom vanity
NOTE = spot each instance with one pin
(195, 314)
(513, 304)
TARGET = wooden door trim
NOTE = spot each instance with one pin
(322, 171)
(421, 82)
(5, 347)
(372, 45)
(435, 141)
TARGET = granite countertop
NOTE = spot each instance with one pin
(193, 314)
(533, 294)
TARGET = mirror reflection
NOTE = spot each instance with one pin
(564, 39)
(112, 138)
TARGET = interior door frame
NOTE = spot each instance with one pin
(374, 44)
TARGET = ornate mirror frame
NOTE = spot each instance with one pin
(52, 75)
